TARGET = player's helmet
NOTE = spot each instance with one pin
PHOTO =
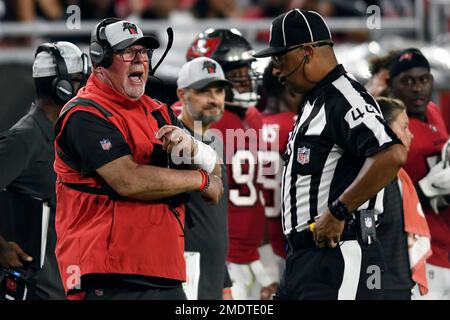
(232, 51)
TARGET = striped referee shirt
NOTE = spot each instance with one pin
(338, 127)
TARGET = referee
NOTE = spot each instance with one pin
(339, 157)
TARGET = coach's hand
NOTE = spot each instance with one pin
(328, 230)
(177, 140)
(214, 191)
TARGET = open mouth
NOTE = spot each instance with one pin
(136, 77)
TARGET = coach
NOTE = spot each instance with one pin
(339, 157)
(120, 214)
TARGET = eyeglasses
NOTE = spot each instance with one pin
(277, 59)
(129, 54)
(410, 82)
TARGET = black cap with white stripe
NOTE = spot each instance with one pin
(294, 28)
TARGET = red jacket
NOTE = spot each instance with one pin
(99, 235)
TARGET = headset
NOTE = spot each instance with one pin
(62, 86)
(100, 49)
(101, 52)
(307, 53)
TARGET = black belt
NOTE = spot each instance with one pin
(304, 239)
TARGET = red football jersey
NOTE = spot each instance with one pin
(276, 128)
(245, 211)
(425, 152)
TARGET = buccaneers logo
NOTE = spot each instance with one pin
(203, 48)
(209, 66)
(130, 27)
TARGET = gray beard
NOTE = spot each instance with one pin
(199, 116)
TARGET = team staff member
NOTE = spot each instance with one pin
(245, 211)
(412, 83)
(403, 231)
(27, 153)
(339, 156)
(120, 219)
(201, 89)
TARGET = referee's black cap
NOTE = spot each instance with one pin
(294, 28)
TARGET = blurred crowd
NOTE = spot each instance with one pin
(136, 10)
(53, 10)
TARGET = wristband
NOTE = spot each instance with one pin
(205, 181)
(339, 210)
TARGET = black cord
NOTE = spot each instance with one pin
(177, 216)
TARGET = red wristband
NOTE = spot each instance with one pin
(205, 179)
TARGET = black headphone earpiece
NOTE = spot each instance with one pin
(100, 50)
(62, 86)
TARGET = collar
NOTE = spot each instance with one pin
(98, 87)
(334, 74)
(43, 122)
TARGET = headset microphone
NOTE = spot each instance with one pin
(282, 79)
(169, 45)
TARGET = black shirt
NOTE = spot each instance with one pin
(392, 236)
(100, 143)
(27, 156)
(209, 237)
(26, 168)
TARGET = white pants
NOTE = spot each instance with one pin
(246, 283)
(438, 284)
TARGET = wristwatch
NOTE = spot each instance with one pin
(339, 210)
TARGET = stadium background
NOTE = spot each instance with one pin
(361, 29)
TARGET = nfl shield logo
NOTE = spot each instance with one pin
(106, 144)
(303, 155)
(368, 222)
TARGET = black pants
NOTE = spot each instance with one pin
(397, 294)
(148, 293)
(348, 271)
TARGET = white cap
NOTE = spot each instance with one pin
(45, 63)
(200, 72)
(123, 34)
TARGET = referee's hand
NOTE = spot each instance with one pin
(12, 255)
(328, 230)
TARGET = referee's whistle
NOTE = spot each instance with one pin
(311, 226)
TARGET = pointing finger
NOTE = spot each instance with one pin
(164, 130)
